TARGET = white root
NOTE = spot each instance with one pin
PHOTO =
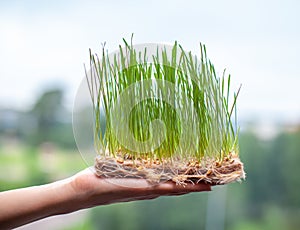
(209, 171)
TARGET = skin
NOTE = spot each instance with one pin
(81, 191)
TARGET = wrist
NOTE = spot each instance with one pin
(64, 198)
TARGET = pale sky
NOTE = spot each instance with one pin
(258, 42)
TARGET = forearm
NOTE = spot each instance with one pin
(21, 206)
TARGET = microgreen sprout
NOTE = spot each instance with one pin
(164, 105)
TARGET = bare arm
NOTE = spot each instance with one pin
(84, 190)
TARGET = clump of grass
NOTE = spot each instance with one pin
(163, 111)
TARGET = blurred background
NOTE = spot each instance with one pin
(43, 46)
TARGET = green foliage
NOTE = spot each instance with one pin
(49, 121)
(201, 98)
(23, 165)
(269, 198)
(185, 212)
(286, 176)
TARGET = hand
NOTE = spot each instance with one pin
(93, 190)
(83, 190)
